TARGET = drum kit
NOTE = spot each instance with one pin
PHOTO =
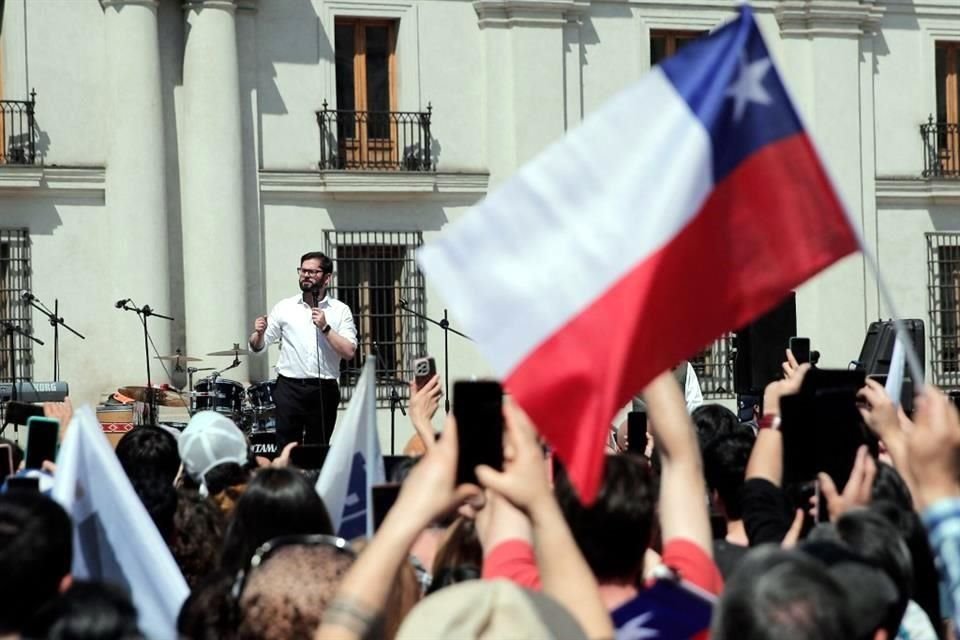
(252, 408)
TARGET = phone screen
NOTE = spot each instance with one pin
(637, 432)
(309, 456)
(822, 427)
(423, 370)
(477, 406)
(6, 461)
(20, 483)
(41, 441)
(800, 348)
(384, 495)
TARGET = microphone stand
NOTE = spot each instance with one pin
(445, 325)
(144, 313)
(394, 400)
(55, 322)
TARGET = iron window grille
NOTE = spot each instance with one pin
(375, 140)
(373, 272)
(14, 278)
(714, 368)
(943, 296)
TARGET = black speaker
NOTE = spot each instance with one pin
(877, 352)
(878, 344)
(760, 348)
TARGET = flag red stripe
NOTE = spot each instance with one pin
(768, 227)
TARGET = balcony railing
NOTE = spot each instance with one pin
(941, 149)
(18, 140)
(375, 140)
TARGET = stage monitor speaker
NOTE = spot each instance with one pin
(760, 348)
(877, 352)
(878, 344)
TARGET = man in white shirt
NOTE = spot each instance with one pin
(316, 332)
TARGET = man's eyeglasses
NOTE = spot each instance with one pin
(310, 272)
(268, 548)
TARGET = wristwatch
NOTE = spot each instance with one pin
(326, 329)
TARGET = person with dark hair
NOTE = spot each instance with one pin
(36, 552)
(159, 497)
(714, 421)
(199, 528)
(87, 611)
(209, 612)
(149, 449)
(780, 595)
(725, 460)
(613, 532)
(277, 502)
(872, 536)
(317, 332)
(459, 556)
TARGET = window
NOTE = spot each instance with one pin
(14, 278)
(365, 52)
(942, 135)
(714, 368)
(943, 294)
(664, 44)
(376, 276)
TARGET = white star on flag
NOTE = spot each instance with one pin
(636, 629)
(749, 85)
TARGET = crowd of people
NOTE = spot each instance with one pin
(705, 510)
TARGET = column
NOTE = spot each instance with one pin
(136, 196)
(215, 270)
(823, 44)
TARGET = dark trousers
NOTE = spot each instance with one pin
(306, 410)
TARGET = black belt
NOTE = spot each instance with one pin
(309, 382)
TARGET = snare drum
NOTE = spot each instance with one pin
(220, 395)
(260, 396)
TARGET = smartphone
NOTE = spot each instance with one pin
(424, 369)
(478, 409)
(800, 348)
(6, 461)
(20, 412)
(384, 495)
(822, 427)
(637, 432)
(309, 456)
(22, 483)
(42, 435)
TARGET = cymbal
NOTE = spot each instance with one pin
(160, 396)
(180, 357)
(236, 351)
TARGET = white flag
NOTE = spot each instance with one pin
(354, 463)
(114, 539)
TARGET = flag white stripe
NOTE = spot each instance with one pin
(555, 244)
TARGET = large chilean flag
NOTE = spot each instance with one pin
(685, 207)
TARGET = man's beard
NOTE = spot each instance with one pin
(308, 286)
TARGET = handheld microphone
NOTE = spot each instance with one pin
(26, 295)
(403, 303)
(119, 303)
